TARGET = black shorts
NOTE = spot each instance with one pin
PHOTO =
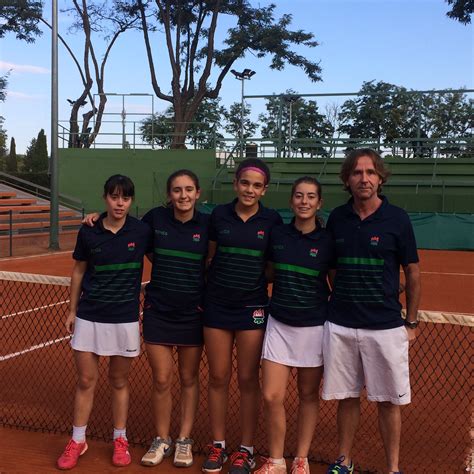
(235, 318)
(172, 328)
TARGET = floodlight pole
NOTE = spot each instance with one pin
(242, 118)
(54, 204)
(242, 76)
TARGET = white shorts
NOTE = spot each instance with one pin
(106, 339)
(377, 359)
(293, 346)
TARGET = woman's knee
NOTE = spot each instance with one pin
(188, 379)
(162, 382)
(219, 380)
(87, 381)
(249, 381)
(273, 398)
(118, 382)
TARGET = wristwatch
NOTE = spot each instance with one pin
(411, 324)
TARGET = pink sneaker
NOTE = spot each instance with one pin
(70, 455)
(121, 456)
(300, 466)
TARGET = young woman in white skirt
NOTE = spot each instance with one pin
(300, 255)
(104, 311)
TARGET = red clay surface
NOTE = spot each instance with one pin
(37, 386)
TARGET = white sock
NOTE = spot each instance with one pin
(248, 448)
(222, 443)
(303, 459)
(120, 433)
(277, 460)
(79, 433)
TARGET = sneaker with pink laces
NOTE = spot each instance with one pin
(269, 467)
(121, 456)
(300, 466)
(70, 455)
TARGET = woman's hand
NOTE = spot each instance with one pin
(91, 219)
(71, 318)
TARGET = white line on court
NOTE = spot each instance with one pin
(450, 274)
(33, 348)
(34, 309)
(28, 257)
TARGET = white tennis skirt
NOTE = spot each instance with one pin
(293, 346)
(106, 339)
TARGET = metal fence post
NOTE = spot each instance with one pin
(10, 212)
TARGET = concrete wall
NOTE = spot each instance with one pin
(82, 173)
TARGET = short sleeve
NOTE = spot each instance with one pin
(212, 226)
(148, 218)
(81, 251)
(407, 249)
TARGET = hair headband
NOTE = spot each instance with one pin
(253, 168)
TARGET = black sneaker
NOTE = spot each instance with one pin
(338, 468)
(241, 462)
(216, 458)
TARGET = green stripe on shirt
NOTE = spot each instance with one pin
(118, 266)
(179, 253)
(360, 261)
(241, 251)
(296, 269)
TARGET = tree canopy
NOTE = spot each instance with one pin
(195, 56)
(21, 18)
(461, 10)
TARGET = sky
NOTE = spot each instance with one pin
(410, 43)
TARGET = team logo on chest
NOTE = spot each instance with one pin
(260, 234)
(313, 252)
(258, 316)
(131, 246)
(374, 241)
(196, 237)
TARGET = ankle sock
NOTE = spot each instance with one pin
(248, 448)
(79, 433)
(277, 460)
(222, 443)
(122, 433)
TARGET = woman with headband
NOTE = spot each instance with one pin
(236, 309)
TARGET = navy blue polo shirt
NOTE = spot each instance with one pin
(369, 254)
(237, 272)
(179, 259)
(111, 284)
(301, 263)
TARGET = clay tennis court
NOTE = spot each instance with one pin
(38, 377)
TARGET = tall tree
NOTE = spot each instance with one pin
(278, 123)
(11, 164)
(36, 158)
(21, 18)
(196, 56)
(312, 130)
(461, 10)
(233, 122)
(203, 132)
(90, 18)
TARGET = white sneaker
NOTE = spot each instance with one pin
(160, 448)
(183, 453)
